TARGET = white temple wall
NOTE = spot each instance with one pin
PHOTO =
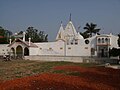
(4, 49)
(81, 42)
(78, 50)
(51, 48)
(62, 49)
(93, 41)
(114, 42)
(33, 51)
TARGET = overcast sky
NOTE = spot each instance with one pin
(17, 15)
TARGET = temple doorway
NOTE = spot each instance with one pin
(19, 51)
(26, 51)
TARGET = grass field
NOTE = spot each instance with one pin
(21, 68)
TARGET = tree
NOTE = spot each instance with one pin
(114, 52)
(119, 40)
(35, 35)
(2, 31)
(19, 33)
(8, 35)
(90, 29)
(5, 35)
(85, 34)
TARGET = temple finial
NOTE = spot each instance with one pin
(61, 22)
(70, 17)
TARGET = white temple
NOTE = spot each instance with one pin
(68, 42)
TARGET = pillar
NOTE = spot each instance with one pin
(29, 41)
(23, 36)
(10, 41)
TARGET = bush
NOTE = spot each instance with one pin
(115, 52)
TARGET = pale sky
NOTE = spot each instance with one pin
(46, 15)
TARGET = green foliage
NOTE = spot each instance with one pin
(5, 35)
(21, 32)
(114, 52)
(119, 40)
(2, 31)
(35, 35)
(85, 34)
(3, 41)
(90, 29)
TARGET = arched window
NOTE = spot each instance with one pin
(102, 40)
(99, 40)
(106, 40)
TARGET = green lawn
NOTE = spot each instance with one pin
(21, 68)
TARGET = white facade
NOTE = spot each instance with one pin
(68, 42)
(60, 48)
(4, 49)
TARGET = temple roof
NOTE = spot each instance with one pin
(70, 29)
(78, 36)
(60, 34)
(68, 32)
(24, 42)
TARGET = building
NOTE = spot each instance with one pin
(68, 42)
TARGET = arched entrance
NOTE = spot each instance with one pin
(19, 51)
(26, 51)
(12, 53)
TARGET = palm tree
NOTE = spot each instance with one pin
(91, 28)
(84, 34)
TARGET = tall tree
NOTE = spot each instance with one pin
(35, 35)
(5, 35)
(91, 29)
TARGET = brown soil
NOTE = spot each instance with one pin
(95, 78)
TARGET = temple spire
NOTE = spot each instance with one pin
(70, 17)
